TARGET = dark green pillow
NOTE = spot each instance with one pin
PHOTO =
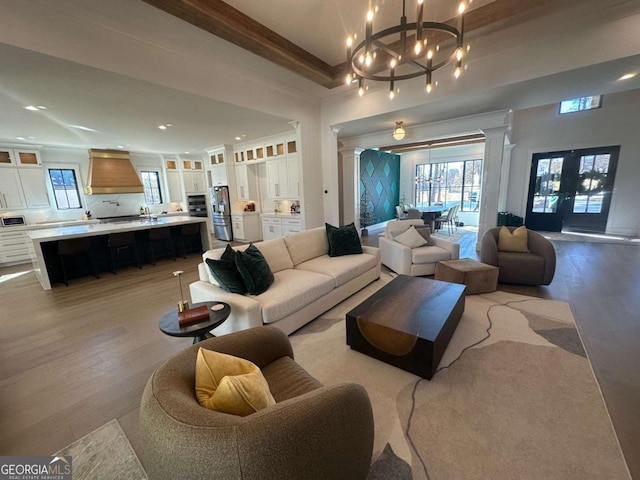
(343, 240)
(255, 270)
(226, 272)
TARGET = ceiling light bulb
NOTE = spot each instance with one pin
(367, 60)
(430, 54)
(392, 63)
(398, 131)
(418, 48)
(457, 72)
(369, 15)
(461, 8)
(429, 88)
(627, 76)
(459, 54)
(349, 41)
(361, 58)
(360, 91)
(347, 79)
(391, 94)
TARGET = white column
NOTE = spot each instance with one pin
(504, 177)
(491, 179)
(350, 195)
(330, 189)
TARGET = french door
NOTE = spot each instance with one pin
(571, 190)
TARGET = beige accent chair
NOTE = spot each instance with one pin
(312, 432)
(414, 261)
(536, 267)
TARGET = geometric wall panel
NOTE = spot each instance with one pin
(380, 177)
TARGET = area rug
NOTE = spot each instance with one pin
(105, 454)
(514, 397)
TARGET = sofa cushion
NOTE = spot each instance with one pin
(425, 231)
(396, 227)
(276, 253)
(307, 244)
(226, 272)
(343, 240)
(515, 241)
(411, 238)
(429, 254)
(292, 290)
(255, 271)
(229, 384)
(342, 269)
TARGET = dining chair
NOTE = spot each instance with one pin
(400, 213)
(413, 213)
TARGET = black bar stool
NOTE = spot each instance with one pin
(163, 237)
(188, 239)
(119, 243)
(67, 249)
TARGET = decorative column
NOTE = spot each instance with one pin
(491, 179)
(350, 194)
(504, 177)
(330, 171)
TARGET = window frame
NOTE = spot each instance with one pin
(443, 186)
(78, 186)
(158, 179)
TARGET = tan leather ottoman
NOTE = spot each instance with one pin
(477, 276)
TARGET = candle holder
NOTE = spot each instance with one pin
(182, 305)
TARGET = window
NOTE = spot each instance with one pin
(151, 184)
(65, 188)
(580, 104)
(448, 184)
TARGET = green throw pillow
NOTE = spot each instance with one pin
(255, 270)
(226, 272)
(343, 240)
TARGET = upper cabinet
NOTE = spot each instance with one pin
(190, 164)
(283, 169)
(216, 158)
(22, 180)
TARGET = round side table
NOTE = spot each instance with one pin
(169, 323)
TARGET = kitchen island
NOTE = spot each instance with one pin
(42, 240)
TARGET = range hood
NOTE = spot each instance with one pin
(110, 171)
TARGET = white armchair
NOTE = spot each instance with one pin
(414, 261)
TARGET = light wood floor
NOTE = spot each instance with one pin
(73, 358)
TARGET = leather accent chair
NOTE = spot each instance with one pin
(536, 267)
(312, 432)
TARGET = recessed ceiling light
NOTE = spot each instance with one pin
(41, 107)
(162, 127)
(238, 138)
(627, 76)
(31, 108)
(20, 138)
(120, 146)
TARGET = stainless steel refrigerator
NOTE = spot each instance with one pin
(221, 212)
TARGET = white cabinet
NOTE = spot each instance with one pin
(34, 187)
(11, 192)
(246, 227)
(218, 175)
(290, 225)
(271, 228)
(277, 179)
(283, 177)
(246, 182)
(14, 247)
(174, 185)
(194, 182)
(276, 227)
(22, 183)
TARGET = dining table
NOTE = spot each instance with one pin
(430, 213)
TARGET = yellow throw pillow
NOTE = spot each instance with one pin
(515, 241)
(230, 384)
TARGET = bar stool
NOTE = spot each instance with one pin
(123, 242)
(74, 247)
(188, 237)
(161, 236)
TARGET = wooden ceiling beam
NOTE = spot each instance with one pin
(436, 143)
(230, 24)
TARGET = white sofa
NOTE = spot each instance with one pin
(414, 261)
(307, 282)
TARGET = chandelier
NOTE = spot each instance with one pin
(408, 50)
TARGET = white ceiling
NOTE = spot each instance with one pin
(127, 112)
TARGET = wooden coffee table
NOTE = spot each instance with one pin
(407, 323)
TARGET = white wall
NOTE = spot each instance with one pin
(542, 129)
